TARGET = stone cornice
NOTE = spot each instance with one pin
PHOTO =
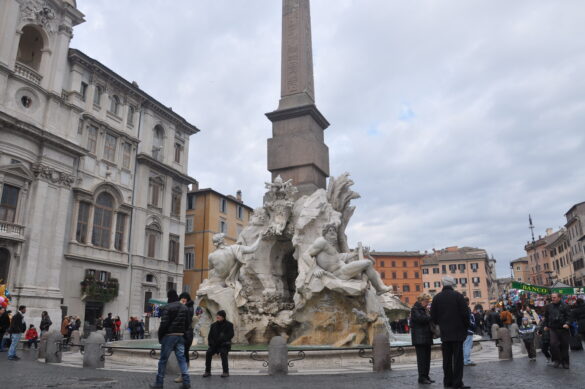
(78, 57)
(148, 160)
(295, 112)
(72, 257)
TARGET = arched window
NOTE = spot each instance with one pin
(30, 48)
(153, 239)
(102, 220)
(114, 104)
(158, 143)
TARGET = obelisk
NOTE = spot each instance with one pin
(297, 149)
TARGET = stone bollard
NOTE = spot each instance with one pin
(54, 352)
(75, 339)
(514, 333)
(43, 345)
(93, 354)
(277, 356)
(504, 344)
(381, 353)
(495, 329)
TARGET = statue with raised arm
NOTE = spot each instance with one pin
(344, 266)
(225, 261)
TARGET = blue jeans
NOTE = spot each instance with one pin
(467, 345)
(169, 344)
(15, 339)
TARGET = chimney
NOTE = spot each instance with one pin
(239, 195)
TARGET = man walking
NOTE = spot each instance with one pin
(556, 319)
(108, 324)
(219, 341)
(17, 328)
(449, 311)
(468, 344)
(173, 324)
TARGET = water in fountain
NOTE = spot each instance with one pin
(382, 312)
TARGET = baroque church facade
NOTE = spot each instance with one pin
(93, 175)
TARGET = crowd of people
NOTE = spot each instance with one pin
(559, 326)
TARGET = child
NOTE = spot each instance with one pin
(32, 336)
(526, 331)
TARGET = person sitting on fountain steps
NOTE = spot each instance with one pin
(344, 266)
(220, 342)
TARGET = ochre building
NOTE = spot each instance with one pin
(208, 213)
(402, 271)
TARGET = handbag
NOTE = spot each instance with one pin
(435, 330)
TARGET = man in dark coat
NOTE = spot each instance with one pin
(451, 314)
(422, 337)
(219, 340)
(185, 298)
(171, 332)
(108, 324)
(17, 328)
(556, 319)
(578, 315)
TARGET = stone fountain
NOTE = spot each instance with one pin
(292, 273)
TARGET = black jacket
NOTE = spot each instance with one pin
(173, 320)
(556, 315)
(220, 336)
(45, 323)
(17, 325)
(450, 312)
(189, 331)
(420, 329)
(494, 318)
(4, 322)
(108, 322)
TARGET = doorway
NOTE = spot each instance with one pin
(93, 310)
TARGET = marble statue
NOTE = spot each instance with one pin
(345, 266)
(225, 261)
(278, 203)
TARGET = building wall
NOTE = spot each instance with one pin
(520, 270)
(402, 271)
(47, 114)
(433, 273)
(574, 226)
(206, 217)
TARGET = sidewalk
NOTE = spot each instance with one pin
(516, 374)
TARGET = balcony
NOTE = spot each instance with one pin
(28, 73)
(11, 231)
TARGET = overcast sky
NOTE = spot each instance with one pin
(456, 119)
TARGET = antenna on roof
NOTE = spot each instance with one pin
(531, 227)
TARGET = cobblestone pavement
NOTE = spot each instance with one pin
(517, 374)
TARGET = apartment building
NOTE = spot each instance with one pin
(402, 271)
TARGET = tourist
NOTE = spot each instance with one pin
(65, 329)
(117, 327)
(479, 322)
(578, 314)
(468, 343)
(141, 329)
(422, 337)
(556, 318)
(507, 318)
(173, 325)
(219, 341)
(109, 326)
(45, 322)
(450, 312)
(526, 331)
(132, 328)
(4, 325)
(32, 336)
(493, 317)
(17, 328)
(545, 341)
(185, 298)
(531, 315)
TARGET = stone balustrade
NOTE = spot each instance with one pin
(28, 73)
(12, 229)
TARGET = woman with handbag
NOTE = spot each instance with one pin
(422, 337)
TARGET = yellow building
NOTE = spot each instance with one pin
(520, 269)
(208, 213)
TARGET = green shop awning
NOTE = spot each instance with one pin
(546, 290)
(157, 302)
